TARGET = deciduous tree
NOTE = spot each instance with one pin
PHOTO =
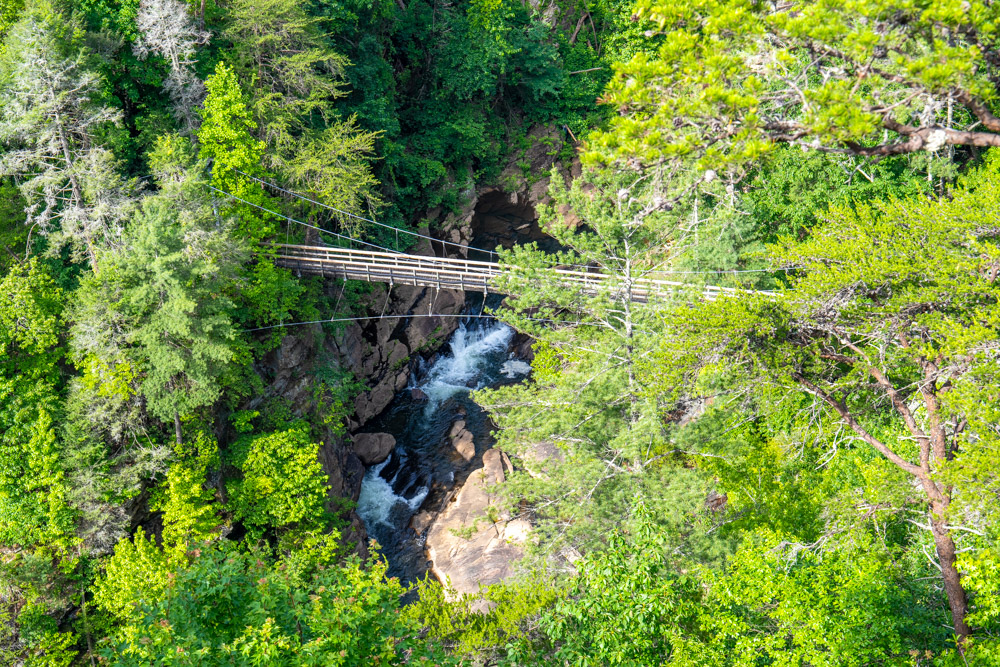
(891, 325)
(732, 78)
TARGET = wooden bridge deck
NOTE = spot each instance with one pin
(451, 273)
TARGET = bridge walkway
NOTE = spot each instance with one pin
(453, 273)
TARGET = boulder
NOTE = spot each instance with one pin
(462, 440)
(465, 548)
(373, 448)
(417, 394)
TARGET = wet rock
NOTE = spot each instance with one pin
(462, 440)
(421, 521)
(371, 403)
(466, 549)
(354, 473)
(523, 349)
(417, 394)
(373, 448)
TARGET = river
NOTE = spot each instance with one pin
(424, 466)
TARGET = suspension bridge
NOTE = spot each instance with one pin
(466, 275)
(385, 265)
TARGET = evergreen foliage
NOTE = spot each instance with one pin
(800, 472)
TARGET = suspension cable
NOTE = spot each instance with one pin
(492, 253)
(304, 224)
(388, 317)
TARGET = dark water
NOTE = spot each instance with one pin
(423, 465)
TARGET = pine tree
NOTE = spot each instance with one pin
(891, 329)
(51, 113)
(586, 408)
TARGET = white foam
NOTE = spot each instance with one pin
(453, 373)
(515, 367)
(377, 497)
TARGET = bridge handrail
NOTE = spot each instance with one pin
(333, 250)
(367, 261)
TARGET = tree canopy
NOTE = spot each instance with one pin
(796, 466)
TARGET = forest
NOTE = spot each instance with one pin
(769, 435)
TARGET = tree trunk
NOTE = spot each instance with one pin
(77, 190)
(177, 429)
(945, 547)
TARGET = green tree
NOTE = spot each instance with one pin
(8, 16)
(293, 78)
(888, 327)
(220, 605)
(172, 336)
(51, 117)
(37, 518)
(33, 505)
(639, 603)
(286, 65)
(588, 437)
(226, 138)
(732, 78)
(282, 482)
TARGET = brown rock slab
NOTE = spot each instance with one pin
(373, 448)
(465, 548)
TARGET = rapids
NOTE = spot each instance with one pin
(478, 355)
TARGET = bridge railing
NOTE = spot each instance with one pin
(456, 273)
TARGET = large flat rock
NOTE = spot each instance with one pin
(466, 549)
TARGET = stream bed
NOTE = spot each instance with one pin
(424, 466)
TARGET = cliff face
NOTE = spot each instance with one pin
(504, 213)
(378, 353)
